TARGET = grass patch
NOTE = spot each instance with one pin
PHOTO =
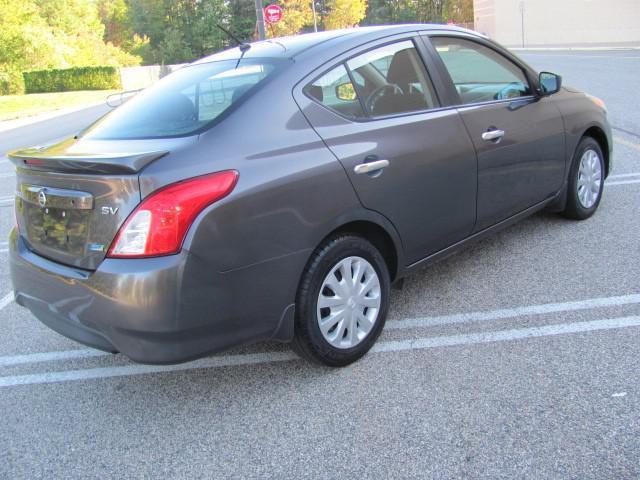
(20, 106)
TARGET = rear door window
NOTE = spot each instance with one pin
(479, 73)
(392, 79)
(388, 80)
(336, 91)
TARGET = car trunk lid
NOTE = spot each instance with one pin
(70, 204)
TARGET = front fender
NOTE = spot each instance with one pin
(580, 115)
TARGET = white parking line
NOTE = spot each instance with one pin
(6, 300)
(624, 175)
(92, 373)
(50, 357)
(626, 143)
(622, 182)
(506, 335)
(423, 322)
(485, 316)
(272, 357)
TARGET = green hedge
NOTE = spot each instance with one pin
(69, 79)
(11, 82)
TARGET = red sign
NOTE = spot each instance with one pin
(273, 13)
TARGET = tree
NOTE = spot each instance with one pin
(179, 30)
(174, 47)
(382, 12)
(425, 11)
(242, 18)
(344, 13)
(79, 34)
(25, 40)
(459, 11)
(430, 11)
(39, 34)
(148, 20)
(297, 15)
(114, 15)
(206, 38)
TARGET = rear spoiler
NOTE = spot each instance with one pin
(116, 163)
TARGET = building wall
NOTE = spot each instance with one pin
(559, 22)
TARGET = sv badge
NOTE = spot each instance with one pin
(109, 210)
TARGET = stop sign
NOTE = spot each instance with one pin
(273, 13)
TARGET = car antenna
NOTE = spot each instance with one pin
(243, 46)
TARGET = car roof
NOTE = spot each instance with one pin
(292, 46)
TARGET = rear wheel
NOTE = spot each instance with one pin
(586, 180)
(342, 301)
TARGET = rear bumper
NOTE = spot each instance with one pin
(158, 310)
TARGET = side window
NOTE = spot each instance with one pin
(335, 90)
(392, 79)
(479, 73)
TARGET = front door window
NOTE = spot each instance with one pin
(479, 73)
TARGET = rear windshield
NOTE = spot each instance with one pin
(185, 102)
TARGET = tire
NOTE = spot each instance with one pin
(343, 341)
(582, 199)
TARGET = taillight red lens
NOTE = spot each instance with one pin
(159, 224)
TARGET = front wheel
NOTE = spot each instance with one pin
(342, 301)
(586, 180)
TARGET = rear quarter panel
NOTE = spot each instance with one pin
(247, 252)
(289, 185)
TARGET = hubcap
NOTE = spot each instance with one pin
(589, 179)
(349, 302)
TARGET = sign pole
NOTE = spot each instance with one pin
(315, 21)
(522, 20)
(260, 19)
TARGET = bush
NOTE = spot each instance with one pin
(69, 79)
(11, 82)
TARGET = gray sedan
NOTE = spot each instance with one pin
(278, 189)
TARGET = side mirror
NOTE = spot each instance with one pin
(550, 83)
(346, 92)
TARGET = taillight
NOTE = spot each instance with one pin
(159, 224)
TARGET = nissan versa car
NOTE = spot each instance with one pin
(278, 189)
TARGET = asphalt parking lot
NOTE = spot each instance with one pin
(518, 358)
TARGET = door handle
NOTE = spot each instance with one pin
(369, 167)
(493, 135)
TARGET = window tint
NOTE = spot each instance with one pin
(335, 90)
(392, 79)
(479, 73)
(183, 102)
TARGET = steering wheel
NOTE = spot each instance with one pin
(513, 90)
(380, 92)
